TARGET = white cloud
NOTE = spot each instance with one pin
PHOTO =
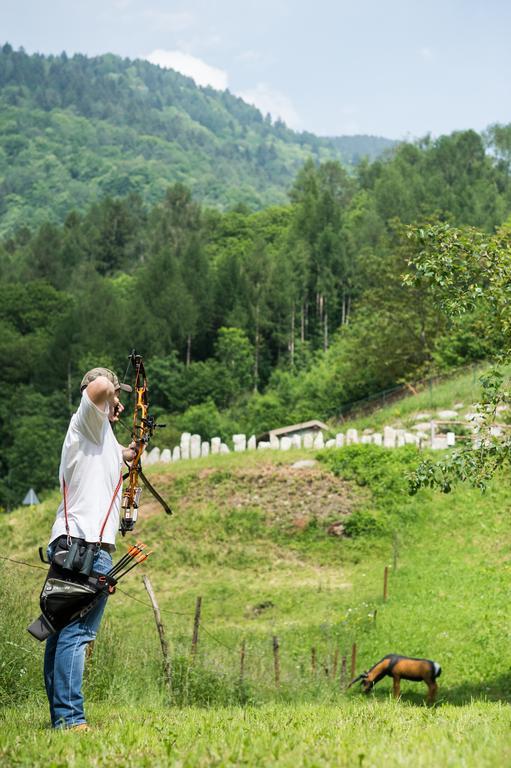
(267, 99)
(192, 66)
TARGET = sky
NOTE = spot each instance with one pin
(395, 68)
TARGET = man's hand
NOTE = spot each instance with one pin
(129, 453)
(116, 407)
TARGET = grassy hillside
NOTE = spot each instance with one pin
(249, 535)
(75, 129)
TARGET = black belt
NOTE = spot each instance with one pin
(82, 543)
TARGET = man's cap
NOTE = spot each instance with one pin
(107, 373)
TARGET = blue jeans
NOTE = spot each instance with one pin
(64, 658)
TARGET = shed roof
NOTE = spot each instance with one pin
(314, 424)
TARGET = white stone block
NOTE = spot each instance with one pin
(365, 439)
(152, 457)
(410, 438)
(204, 449)
(166, 456)
(224, 448)
(400, 438)
(185, 445)
(195, 443)
(389, 437)
(439, 443)
(446, 415)
(451, 439)
(285, 443)
(274, 443)
(297, 441)
(351, 437)
(240, 443)
(176, 453)
(251, 444)
(378, 438)
(339, 440)
(319, 441)
(215, 445)
(308, 440)
(330, 443)
(263, 445)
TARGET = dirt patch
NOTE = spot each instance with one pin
(284, 494)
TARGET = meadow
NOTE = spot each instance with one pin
(250, 536)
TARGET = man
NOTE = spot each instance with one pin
(91, 482)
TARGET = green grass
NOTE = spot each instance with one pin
(372, 733)
(464, 388)
(262, 569)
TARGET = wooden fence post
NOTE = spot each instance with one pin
(313, 660)
(342, 678)
(159, 625)
(276, 660)
(196, 624)
(385, 583)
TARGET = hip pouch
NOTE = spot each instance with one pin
(68, 593)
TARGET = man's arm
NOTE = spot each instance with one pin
(101, 392)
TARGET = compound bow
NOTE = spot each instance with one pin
(142, 430)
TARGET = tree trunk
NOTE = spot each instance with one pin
(256, 351)
(188, 350)
(302, 323)
(292, 337)
(325, 332)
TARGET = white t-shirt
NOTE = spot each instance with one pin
(90, 465)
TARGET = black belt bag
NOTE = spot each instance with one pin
(74, 555)
(66, 596)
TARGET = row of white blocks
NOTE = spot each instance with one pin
(193, 447)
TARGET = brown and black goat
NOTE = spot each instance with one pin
(402, 667)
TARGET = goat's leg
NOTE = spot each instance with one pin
(433, 688)
(396, 689)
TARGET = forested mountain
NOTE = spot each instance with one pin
(74, 129)
(247, 320)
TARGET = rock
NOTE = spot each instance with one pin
(215, 445)
(176, 453)
(423, 426)
(336, 529)
(308, 440)
(195, 443)
(446, 415)
(251, 444)
(319, 441)
(204, 449)
(339, 440)
(152, 457)
(166, 456)
(422, 416)
(304, 464)
(185, 445)
(457, 406)
(389, 437)
(240, 443)
(351, 436)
